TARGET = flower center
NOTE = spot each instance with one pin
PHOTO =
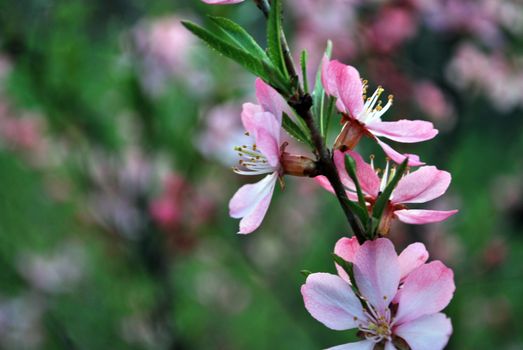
(373, 109)
(388, 173)
(252, 161)
(378, 327)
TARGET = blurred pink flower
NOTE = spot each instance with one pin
(167, 210)
(362, 116)
(119, 185)
(180, 210)
(426, 289)
(57, 272)
(420, 186)
(320, 20)
(432, 101)
(469, 16)
(493, 74)
(221, 133)
(21, 322)
(394, 25)
(166, 48)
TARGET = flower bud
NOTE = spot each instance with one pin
(297, 165)
(350, 135)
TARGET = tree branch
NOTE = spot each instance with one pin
(302, 104)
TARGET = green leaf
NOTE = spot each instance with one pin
(258, 67)
(327, 116)
(318, 95)
(239, 36)
(295, 131)
(347, 267)
(360, 212)
(303, 64)
(384, 196)
(274, 30)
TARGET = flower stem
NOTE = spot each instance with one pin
(302, 103)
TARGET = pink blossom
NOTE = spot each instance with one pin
(420, 186)
(265, 156)
(396, 299)
(222, 2)
(362, 116)
(409, 259)
(263, 122)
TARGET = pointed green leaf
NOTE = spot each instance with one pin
(295, 131)
(348, 267)
(359, 211)
(318, 96)
(239, 36)
(384, 196)
(303, 64)
(253, 64)
(274, 47)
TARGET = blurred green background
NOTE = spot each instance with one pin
(116, 136)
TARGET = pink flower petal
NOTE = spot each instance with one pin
(421, 186)
(411, 258)
(407, 131)
(431, 332)
(266, 130)
(346, 248)
(222, 2)
(420, 216)
(330, 300)
(377, 272)
(249, 120)
(361, 345)
(271, 100)
(350, 88)
(328, 76)
(369, 181)
(398, 157)
(268, 137)
(251, 202)
(426, 290)
(324, 182)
